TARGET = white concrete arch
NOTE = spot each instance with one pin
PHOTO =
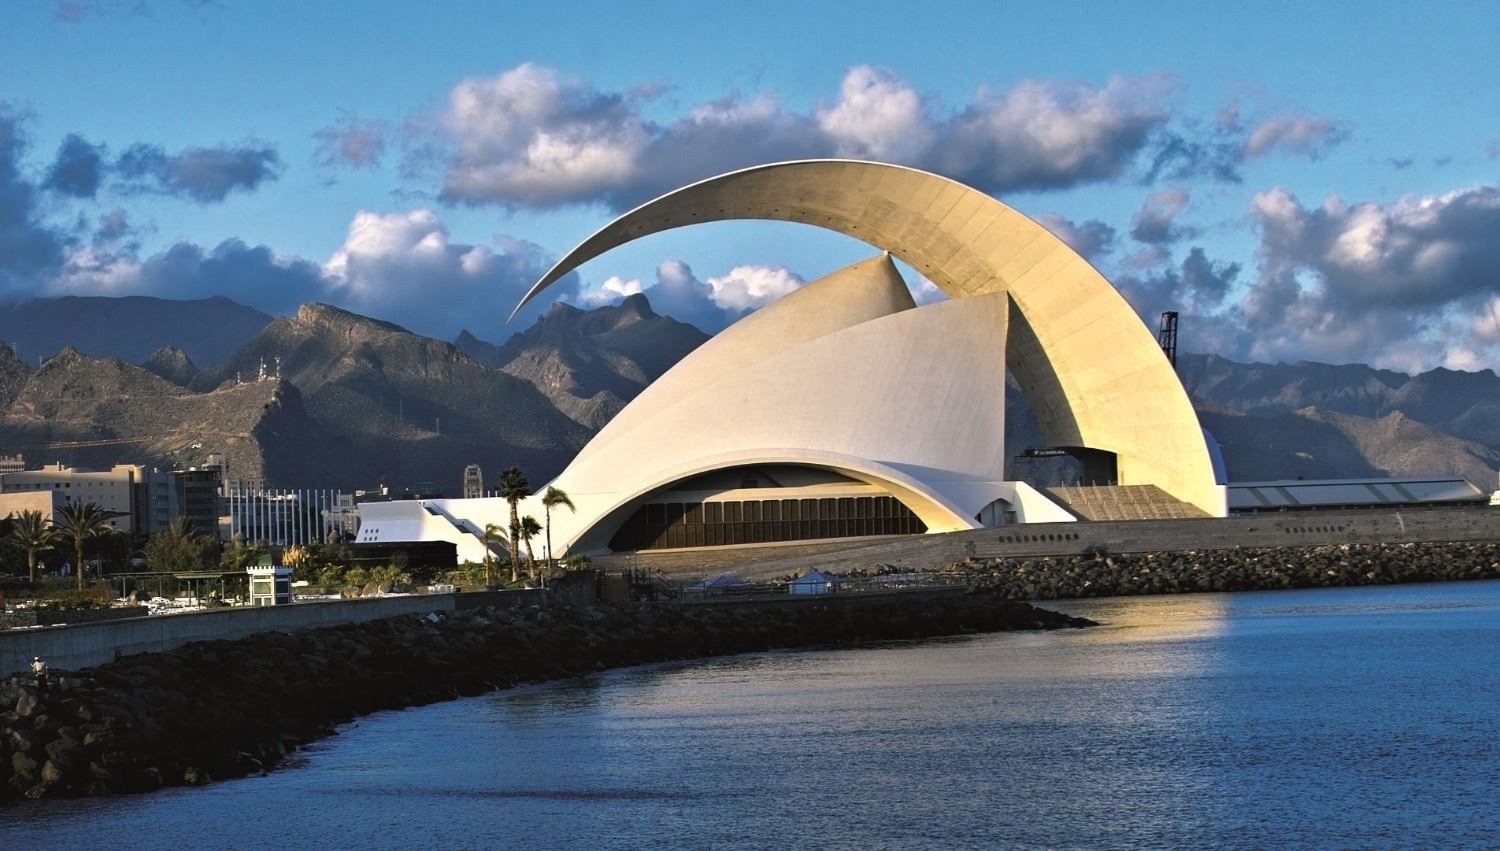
(1090, 369)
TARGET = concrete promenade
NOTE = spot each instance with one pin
(926, 552)
(69, 647)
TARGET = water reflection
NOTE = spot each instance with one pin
(1351, 717)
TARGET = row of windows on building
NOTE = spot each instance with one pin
(666, 525)
(59, 485)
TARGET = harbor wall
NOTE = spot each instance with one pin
(73, 646)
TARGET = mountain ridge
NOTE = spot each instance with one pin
(328, 397)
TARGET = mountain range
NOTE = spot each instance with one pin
(329, 398)
(130, 328)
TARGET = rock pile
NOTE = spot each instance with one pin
(218, 709)
(1102, 575)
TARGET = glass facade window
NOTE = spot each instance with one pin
(670, 525)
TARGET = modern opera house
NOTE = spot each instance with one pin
(845, 409)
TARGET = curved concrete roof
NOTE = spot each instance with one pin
(1089, 367)
(853, 295)
(841, 375)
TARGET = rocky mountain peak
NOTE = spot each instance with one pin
(636, 306)
(13, 374)
(173, 364)
(65, 356)
(319, 315)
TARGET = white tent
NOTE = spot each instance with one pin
(815, 582)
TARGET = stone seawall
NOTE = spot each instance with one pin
(218, 709)
(80, 645)
(1254, 569)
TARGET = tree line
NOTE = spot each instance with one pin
(80, 527)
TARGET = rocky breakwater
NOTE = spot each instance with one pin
(219, 709)
(1102, 575)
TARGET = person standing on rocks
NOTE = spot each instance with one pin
(39, 671)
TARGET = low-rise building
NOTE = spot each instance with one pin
(141, 499)
(136, 498)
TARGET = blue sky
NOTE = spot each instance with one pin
(1310, 181)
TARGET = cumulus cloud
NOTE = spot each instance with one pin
(678, 293)
(1050, 135)
(77, 169)
(352, 143)
(716, 137)
(1198, 288)
(200, 174)
(877, 116)
(405, 267)
(530, 137)
(28, 248)
(1406, 285)
(1091, 238)
(612, 291)
(1156, 222)
(1310, 135)
(249, 274)
(745, 288)
(1198, 285)
(1391, 284)
(712, 303)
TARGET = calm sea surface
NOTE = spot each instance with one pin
(1338, 718)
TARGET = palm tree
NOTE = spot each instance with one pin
(492, 535)
(32, 533)
(530, 529)
(551, 497)
(179, 547)
(83, 521)
(514, 488)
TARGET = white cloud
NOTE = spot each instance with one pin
(1041, 135)
(528, 137)
(1404, 284)
(744, 288)
(612, 291)
(1301, 134)
(405, 267)
(878, 116)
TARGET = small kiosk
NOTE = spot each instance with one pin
(270, 585)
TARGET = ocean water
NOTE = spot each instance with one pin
(1365, 717)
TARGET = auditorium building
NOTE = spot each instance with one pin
(845, 409)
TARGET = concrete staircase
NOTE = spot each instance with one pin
(1121, 502)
